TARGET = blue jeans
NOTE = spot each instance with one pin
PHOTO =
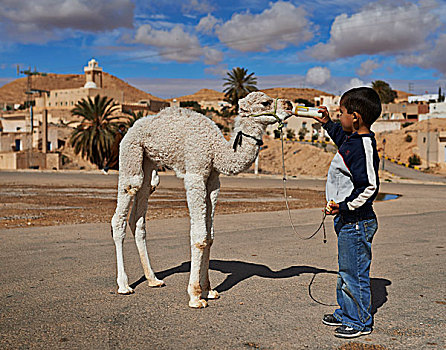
(353, 283)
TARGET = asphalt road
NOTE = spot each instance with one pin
(409, 173)
(58, 283)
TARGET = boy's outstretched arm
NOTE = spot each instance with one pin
(334, 129)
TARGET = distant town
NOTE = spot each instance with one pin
(36, 119)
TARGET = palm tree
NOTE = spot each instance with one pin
(133, 117)
(94, 136)
(239, 84)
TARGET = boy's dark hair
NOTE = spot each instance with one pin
(363, 100)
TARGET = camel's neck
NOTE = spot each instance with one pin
(229, 161)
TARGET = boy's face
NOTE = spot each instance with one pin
(346, 120)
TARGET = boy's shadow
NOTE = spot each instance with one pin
(238, 271)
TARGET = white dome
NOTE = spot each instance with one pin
(90, 85)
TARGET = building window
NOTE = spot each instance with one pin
(424, 140)
(55, 94)
(18, 145)
(49, 104)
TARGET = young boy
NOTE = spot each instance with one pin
(352, 186)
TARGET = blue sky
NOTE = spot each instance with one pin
(171, 48)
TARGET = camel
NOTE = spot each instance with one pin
(194, 147)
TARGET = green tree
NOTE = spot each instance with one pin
(440, 96)
(239, 84)
(385, 92)
(94, 136)
(132, 118)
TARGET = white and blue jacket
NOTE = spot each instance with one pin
(352, 179)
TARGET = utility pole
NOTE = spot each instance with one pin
(29, 92)
(428, 141)
(384, 153)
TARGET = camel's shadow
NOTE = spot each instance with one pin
(238, 271)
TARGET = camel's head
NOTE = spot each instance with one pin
(257, 105)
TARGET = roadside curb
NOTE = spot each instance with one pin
(403, 164)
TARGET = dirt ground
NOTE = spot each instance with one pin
(300, 159)
(25, 205)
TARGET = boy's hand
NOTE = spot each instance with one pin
(332, 208)
(325, 117)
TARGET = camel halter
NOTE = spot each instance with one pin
(273, 114)
(259, 142)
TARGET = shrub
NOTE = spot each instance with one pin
(302, 132)
(290, 134)
(414, 160)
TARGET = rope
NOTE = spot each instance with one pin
(311, 295)
(322, 225)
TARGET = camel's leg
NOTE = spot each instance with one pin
(137, 220)
(212, 189)
(196, 200)
(118, 229)
(130, 181)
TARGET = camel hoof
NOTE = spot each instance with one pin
(156, 283)
(126, 291)
(198, 303)
(213, 294)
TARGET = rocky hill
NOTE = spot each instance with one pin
(287, 93)
(402, 95)
(14, 92)
(203, 95)
(295, 93)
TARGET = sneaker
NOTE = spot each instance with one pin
(349, 332)
(330, 320)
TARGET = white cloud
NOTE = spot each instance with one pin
(219, 70)
(378, 28)
(174, 44)
(275, 28)
(207, 24)
(434, 57)
(318, 76)
(354, 83)
(212, 56)
(170, 88)
(367, 67)
(43, 20)
(192, 7)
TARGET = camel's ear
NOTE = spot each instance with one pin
(243, 107)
